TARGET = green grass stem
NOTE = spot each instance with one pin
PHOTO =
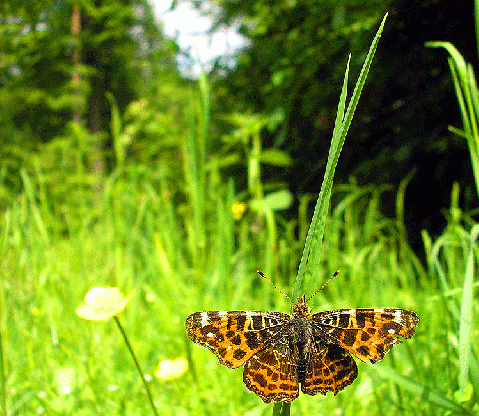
(2, 378)
(137, 364)
(465, 322)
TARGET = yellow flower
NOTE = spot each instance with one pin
(170, 369)
(238, 209)
(102, 303)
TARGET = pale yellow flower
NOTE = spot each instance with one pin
(102, 303)
(170, 369)
(238, 209)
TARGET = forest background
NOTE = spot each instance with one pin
(117, 171)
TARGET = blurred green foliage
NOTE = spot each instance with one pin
(292, 64)
(295, 47)
(44, 86)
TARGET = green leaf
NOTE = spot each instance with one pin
(223, 161)
(276, 157)
(274, 201)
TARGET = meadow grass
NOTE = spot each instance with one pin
(139, 241)
(180, 248)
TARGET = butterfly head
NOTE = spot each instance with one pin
(301, 308)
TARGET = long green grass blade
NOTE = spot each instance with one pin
(2, 378)
(476, 15)
(474, 371)
(38, 218)
(468, 99)
(309, 265)
(460, 98)
(316, 229)
(465, 322)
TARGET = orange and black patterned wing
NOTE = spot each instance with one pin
(272, 372)
(368, 334)
(328, 368)
(235, 336)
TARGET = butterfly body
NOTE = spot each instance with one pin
(282, 352)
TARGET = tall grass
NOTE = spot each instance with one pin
(461, 234)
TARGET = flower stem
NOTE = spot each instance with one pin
(136, 364)
(2, 379)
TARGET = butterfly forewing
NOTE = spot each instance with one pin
(234, 336)
(368, 334)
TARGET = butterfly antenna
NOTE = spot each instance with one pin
(272, 284)
(325, 284)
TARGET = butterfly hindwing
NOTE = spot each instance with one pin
(328, 368)
(272, 372)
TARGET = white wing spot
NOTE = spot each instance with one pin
(209, 335)
(204, 318)
(392, 331)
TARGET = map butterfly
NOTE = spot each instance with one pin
(282, 351)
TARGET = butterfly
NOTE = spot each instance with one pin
(281, 351)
